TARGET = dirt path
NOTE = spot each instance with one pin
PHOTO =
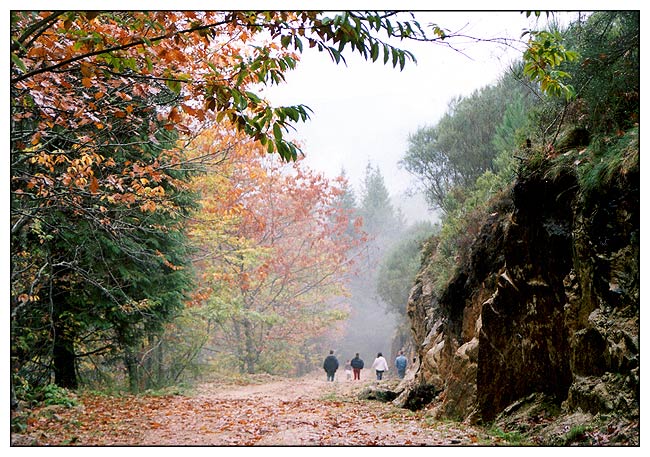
(307, 411)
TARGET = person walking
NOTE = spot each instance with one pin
(348, 370)
(330, 365)
(357, 366)
(400, 364)
(380, 365)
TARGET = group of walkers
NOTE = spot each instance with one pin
(354, 366)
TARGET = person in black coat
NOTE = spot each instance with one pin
(330, 366)
(357, 365)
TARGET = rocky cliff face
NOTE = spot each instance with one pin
(546, 304)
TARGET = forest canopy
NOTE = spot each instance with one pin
(105, 108)
(154, 191)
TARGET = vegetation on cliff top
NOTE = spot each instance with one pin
(593, 133)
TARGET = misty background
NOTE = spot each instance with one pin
(363, 114)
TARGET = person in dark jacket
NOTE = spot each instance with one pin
(357, 365)
(330, 366)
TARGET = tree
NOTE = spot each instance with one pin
(98, 100)
(273, 252)
(400, 265)
(379, 217)
(208, 57)
(448, 157)
(369, 327)
(97, 236)
(606, 74)
(347, 202)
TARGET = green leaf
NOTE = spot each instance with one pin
(174, 86)
(253, 97)
(374, 51)
(293, 114)
(336, 55)
(19, 63)
(290, 61)
(239, 101)
(285, 151)
(277, 132)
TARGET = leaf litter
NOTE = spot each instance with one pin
(283, 412)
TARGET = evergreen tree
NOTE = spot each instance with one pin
(380, 219)
(400, 265)
(347, 202)
(110, 271)
(448, 157)
(371, 325)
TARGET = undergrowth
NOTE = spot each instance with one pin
(513, 438)
(610, 158)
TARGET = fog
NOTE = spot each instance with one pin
(370, 329)
(363, 112)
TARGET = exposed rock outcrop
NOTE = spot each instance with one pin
(546, 303)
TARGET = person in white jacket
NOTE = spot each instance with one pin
(380, 366)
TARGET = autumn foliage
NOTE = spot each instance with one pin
(103, 106)
(272, 253)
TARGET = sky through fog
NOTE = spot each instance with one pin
(365, 111)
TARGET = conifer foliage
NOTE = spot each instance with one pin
(102, 107)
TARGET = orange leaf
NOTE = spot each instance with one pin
(94, 185)
(86, 70)
(174, 115)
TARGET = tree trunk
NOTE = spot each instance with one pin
(150, 376)
(14, 400)
(63, 336)
(160, 374)
(250, 348)
(154, 363)
(131, 362)
(241, 351)
(64, 360)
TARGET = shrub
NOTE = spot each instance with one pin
(55, 395)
